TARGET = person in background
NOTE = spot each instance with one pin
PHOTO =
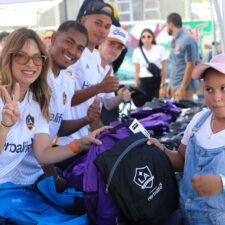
(109, 51)
(184, 55)
(218, 50)
(24, 134)
(152, 84)
(47, 36)
(201, 154)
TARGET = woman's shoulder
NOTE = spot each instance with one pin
(159, 47)
(137, 50)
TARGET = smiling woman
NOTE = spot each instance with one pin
(24, 131)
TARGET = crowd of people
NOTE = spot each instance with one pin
(54, 88)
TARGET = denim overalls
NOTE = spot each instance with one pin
(202, 210)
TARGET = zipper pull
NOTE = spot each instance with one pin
(107, 189)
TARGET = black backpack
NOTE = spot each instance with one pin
(140, 179)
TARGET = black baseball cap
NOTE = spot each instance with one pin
(91, 7)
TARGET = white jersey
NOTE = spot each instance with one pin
(17, 161)
(87, 72)
(63, 89)
(205, 136)
(156, 55)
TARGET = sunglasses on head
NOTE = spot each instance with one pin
(146, 36)
(23, 58)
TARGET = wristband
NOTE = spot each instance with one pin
(5, 125)
(73, 146)
(223, 182)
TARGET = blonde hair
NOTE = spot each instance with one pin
(39, 88)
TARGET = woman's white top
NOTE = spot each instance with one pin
(156, 55)
(17, 161)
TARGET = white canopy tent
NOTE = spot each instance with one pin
(218, 17)
(23, 12)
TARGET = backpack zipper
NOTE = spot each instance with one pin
(120, 158)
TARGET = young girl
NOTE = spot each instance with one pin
(201, 154)
(24, 110)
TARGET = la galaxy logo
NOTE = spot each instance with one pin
(64, 98)
(143, 177)
(30, 120)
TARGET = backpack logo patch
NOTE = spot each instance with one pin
(143, 177)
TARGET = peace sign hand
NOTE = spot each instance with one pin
(10, 111)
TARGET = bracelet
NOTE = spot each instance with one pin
(73, 147)
(5, 125)
(223, 182)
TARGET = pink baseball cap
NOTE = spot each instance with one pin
(217, 63)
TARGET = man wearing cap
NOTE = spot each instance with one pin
(184, 56)
(97, 18)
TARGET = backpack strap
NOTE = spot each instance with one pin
(144, 55)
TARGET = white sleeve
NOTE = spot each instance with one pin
(188, 131)
(136, 55)
(109, 95)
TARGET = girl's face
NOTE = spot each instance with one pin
(146, 38)
(214, 92)
(27, 64)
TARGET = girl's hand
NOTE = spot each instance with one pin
(155, 142)
(10, 111)
(207, 184)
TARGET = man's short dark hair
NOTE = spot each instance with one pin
(175, 19)
(65, 26)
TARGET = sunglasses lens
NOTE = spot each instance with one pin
(38, 59)
(22, 58)
(148, 36)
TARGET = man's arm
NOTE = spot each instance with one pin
(187, 73)
(83, 95)
(186, 79)
(123, 96)
(108, 84)
(70, 126)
